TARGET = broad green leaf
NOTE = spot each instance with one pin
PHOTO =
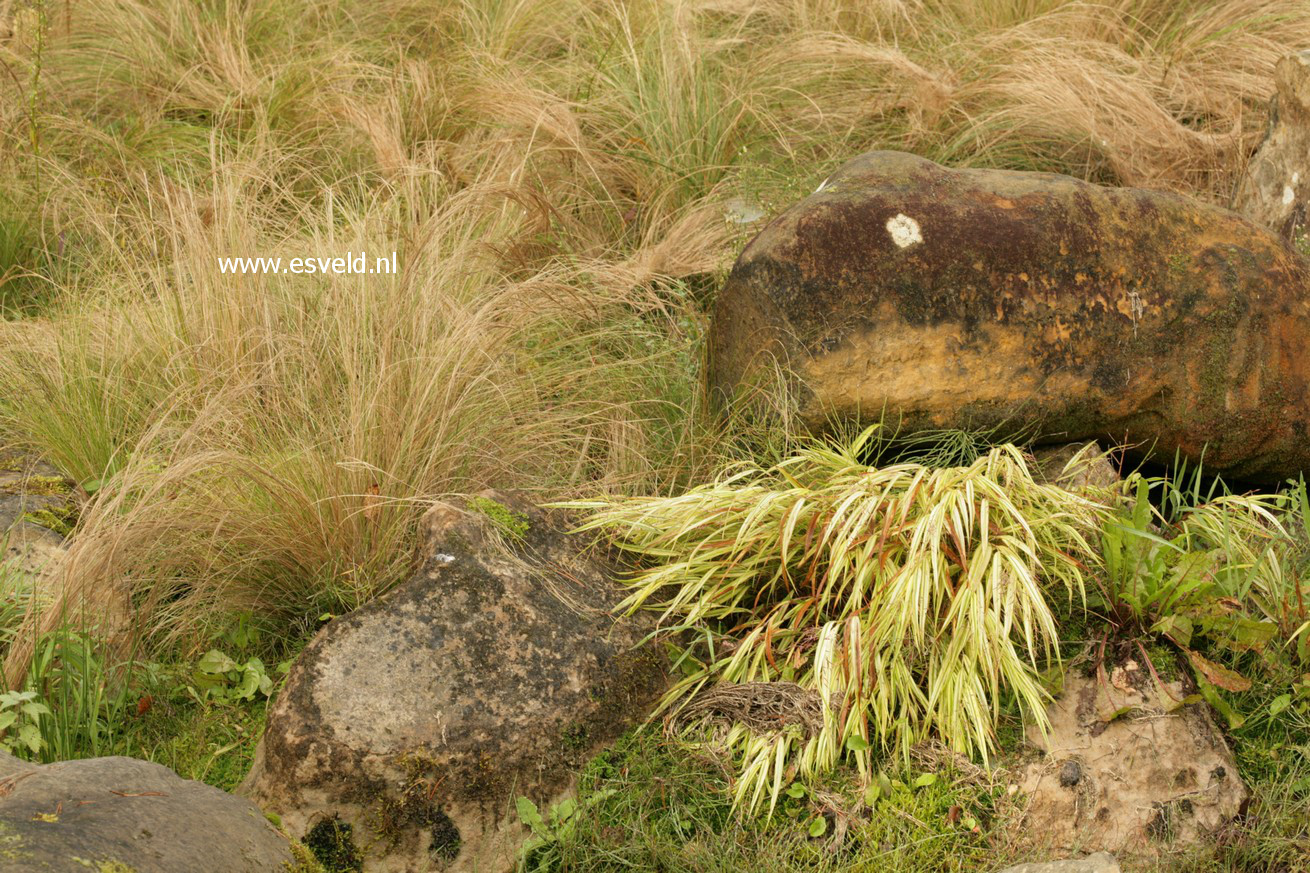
(215, 661)
(1171, 705)
(563, 810)
(856, 743)
(29, 736)
(1244, 634)
(34, 709)
(1052, 680)
(1279, 703)
(1176, 627)
(1301, 687)
(531, 816)
(1215, 699)
(818, 827)
(925, 780)
(249, 684)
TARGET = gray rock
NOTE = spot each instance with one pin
(1275, 191)
(1076, 466)
(410, 726)
(1125, 769)
(121, 814)
(1098, 863)
(27, 488)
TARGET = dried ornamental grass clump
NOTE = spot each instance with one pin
(908, 598)
(554, 176)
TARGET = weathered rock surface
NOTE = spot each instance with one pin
(1076, 466)
(121, 814)
(31, 489)
(416, 721)
(1275, 191)
(1123, 775)
(997, 299)
(1098, 863)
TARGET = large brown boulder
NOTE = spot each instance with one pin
(1275, 190)
(408, 728)
(996, 299)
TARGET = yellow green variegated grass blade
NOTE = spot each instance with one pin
(927, 588)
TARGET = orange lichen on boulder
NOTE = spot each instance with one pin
(989, 298)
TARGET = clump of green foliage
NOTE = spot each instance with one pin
(60, 519)
(907, 597)
(20, 718)
(513, 525)
(1220, 578)
(555, 825)
(46, 486)
(218, 676)
(1205, 581)
(86, 690)
(648, 804)
(303, 860)
(84, 698)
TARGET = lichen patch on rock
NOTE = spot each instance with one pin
(904, 230)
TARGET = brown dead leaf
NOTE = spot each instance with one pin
(372, 502)
(1218, 674)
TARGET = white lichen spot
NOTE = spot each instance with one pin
(1296, 179)
(1289, 194)
(444, 558)
(904, 230)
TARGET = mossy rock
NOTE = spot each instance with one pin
(411, 725)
